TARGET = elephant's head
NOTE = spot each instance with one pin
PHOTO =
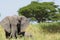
(24, 23)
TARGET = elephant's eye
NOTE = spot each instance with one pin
(19, 20)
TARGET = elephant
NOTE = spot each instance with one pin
(14, 25)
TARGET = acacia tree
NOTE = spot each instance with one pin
(40, 11)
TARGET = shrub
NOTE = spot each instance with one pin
(50, 27)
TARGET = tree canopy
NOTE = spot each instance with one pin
(41, 11)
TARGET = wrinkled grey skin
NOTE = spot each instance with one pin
(14, 25)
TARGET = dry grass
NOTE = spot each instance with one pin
(37, 34)
(2, 34)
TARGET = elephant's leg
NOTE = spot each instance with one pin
(18, 29)
(7, 34)
(22, 33)
(14, 31)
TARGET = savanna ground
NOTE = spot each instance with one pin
(41, 31)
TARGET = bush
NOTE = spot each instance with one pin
(50, 27)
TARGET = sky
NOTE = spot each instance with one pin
(10, 7)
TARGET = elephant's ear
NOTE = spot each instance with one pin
(22, 17)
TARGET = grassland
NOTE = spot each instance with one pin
(41, 31)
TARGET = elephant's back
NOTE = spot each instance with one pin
(5, 24)
(4, 21)
(13, 20)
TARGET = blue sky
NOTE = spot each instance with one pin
(10, 7)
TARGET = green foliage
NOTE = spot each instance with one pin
(53, 27)
(40, 11)
(56, 17)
